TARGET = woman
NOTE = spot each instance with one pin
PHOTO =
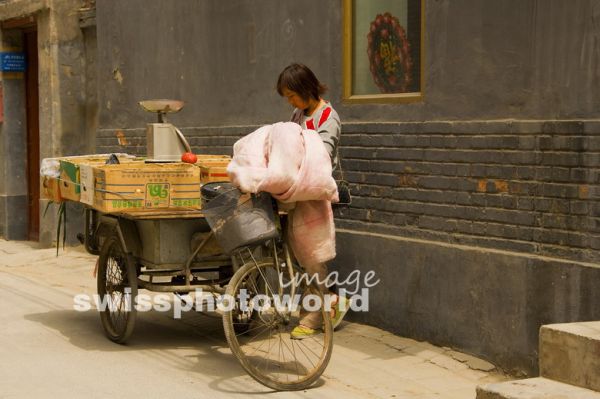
(299, 85)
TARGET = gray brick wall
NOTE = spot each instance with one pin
(211, 140)
(525, 186)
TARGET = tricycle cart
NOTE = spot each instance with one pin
(248, 269)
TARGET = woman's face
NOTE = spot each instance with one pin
(294, 99)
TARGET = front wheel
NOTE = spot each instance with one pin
(117, 290)
(259, 317)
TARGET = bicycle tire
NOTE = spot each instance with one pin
(116, 272)
(248, 363)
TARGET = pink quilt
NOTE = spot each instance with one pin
(294, 167)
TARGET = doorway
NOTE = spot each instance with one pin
(20, 129)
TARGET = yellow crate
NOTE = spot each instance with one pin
(70, 187)
(150, 186)
(50, 188)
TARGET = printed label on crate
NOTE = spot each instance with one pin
(186, 202)
(158, 195)
(127, 204)
(86, 178)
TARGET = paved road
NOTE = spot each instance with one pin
(49, 350)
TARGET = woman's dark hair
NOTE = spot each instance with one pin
(300, 79)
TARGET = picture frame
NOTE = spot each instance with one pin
(383, 45)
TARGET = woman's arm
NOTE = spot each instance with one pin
(330, 134)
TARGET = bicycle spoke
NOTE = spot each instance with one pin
(314, 339)
(307, 347)
(263, 325)
(293, 356)
(263, 276)
(304, 353)
(282, 356)
(268, 352)
(279, 358)
(257, 348)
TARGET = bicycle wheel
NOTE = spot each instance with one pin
(117, 290)
(259, 318)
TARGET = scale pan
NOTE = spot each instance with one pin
(162, 106)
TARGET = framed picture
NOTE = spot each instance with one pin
(383, 50)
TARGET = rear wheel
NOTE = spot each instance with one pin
(259, 335)
(117, 290)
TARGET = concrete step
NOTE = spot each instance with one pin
(534, 388)
(570, 353)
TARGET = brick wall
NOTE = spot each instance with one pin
(522, 186)
(206, 140)
(525, 186)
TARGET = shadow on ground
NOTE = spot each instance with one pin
(193, 343)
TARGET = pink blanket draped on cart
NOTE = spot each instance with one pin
(293, 166)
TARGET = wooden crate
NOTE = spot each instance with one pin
(145, 187)
(70, 187)
(50, 188)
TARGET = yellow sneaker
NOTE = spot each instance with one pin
(340, 309)
(301, 332)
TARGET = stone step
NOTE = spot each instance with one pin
(570, 353)
(534, 388)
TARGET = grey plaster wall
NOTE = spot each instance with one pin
(522, 59)
(488, 303)
(221, 58)
(90, 102)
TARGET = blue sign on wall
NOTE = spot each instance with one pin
(12, 62)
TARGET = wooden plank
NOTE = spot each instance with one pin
(158, 214)
(33, 134)
(22, 22)
(168, 214)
